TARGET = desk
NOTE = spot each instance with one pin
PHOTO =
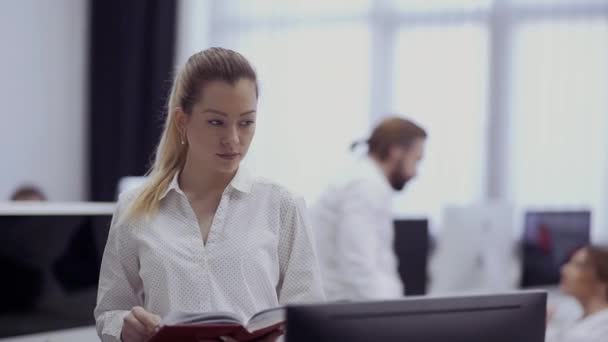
(84, 334)
(51, 253)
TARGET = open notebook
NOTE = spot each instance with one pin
(186, 327)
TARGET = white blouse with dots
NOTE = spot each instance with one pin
(259, 254)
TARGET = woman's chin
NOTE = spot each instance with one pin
(228, 167)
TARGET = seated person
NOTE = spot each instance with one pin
(585, 277)
(28, 193)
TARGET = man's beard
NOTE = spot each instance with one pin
(396, 178)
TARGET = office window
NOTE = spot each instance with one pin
(330, 69)
(439, 5)
(282, 9)
(314, 99)
(555, 2)
(559, 110)
(440, 82)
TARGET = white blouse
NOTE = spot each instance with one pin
(259, 254)
(593, 328)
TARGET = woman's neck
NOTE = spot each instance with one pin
(594, 305)
(198, 181)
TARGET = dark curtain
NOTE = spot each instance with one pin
(131, 61)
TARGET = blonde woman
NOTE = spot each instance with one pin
(202, 234)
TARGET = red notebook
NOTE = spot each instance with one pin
(186, 327)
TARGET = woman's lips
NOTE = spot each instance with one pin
(228, 156)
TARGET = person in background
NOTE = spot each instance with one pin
(353, 221)
(585, 278)
(202, 234)
(28, 193)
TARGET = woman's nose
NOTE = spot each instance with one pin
(231, 136)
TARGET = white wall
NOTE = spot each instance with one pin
(43, 95)
(193, 28)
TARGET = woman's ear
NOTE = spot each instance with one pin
(181, 120)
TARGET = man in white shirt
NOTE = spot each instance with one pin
(353, 222)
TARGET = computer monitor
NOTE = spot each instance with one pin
(476, 250)
(50, 256)
(549, 240)
(412, 249)
(498, 318)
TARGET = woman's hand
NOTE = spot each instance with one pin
(272, 337)
(139, 325)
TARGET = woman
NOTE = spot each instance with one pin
(202, 234)
(585, 278)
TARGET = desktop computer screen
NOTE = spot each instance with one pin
(476, 250)
(50, 269)
(550, 238)
(497, 318)
(412, 247)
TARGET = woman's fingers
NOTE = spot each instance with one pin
(149, 320)
(273, 336)
(130, 334)
(132, 323)
(139, 325)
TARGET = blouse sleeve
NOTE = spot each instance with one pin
(300, 279)
(120, 287)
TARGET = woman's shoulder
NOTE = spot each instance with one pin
(127, 197)
(124, 204)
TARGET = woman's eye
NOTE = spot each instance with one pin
(215, 122)
(247, 123)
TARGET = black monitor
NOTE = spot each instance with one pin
(412, 249)
(498, 318)
(50, 263)
(550, 238)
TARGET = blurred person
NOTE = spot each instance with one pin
(28, 193)
(353, 221)
(202, 234)
(585, 278)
